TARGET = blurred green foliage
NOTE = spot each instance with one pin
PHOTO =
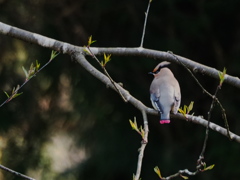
(67, 125)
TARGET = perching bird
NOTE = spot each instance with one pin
(165, 92)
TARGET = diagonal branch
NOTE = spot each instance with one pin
(15, 173)
(213, 126)
(77, 54)
(106, 73)
(79, 57)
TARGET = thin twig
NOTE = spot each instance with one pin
(145, 23)
(15, 173)
(200, 85)
(200, 161)
(107, 74)
(207, 128)
(26, 81)
(224, 116)
(209, 94)
(143, 146)
(180, 173)
(201, 156)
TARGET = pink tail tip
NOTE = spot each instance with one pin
(164, 121)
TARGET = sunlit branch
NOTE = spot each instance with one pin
(15, 173)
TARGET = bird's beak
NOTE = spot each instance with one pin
(151, 73)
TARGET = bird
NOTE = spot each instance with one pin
(165, 94)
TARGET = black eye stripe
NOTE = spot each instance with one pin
(160, 67)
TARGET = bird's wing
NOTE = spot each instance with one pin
(177, 100)
(155, 102)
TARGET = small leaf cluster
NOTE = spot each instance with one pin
(182, 176)
(107, 58)
(87, 48)
(206, 168)
(90, 41)
(222, 76)
(32, 70)
(158, 172)
(53, 55)
(186, 109)
(14, 93)
(136, 128)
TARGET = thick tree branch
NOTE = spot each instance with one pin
(76, 53)
(166, 56)
(68, 48)
(79, 57)
(213, 126)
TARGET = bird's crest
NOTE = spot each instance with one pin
(160, 66)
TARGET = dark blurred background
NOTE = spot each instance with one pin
(68, 125)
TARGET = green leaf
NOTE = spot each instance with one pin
(135, 122)
(142, 132)
(182, 111)
(102, 63)
(184, 177)
(16, 95)
(86, 50)
(31, 71)
(185, 109)
(37, 65)
(53, 55)
(15, 90)
(107, 58)
(222, 75)
(90, 41)
(209, 167)
(32, 67)
(6, 94)
(25, 72)
(135, 127)
(190, 107)
(158, 172)
(132, 124)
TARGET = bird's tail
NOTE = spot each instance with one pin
(164, 121)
